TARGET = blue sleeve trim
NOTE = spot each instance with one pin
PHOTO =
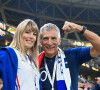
(80, 54)
(0, 36)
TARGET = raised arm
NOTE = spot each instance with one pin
(93, 38)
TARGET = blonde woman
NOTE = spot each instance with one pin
(18, 62)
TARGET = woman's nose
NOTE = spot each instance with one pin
(31, 35)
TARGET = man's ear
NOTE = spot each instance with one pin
(59, 41)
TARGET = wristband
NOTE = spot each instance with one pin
(83, 30)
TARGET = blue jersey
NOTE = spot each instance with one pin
(0, 36)
(75, 57)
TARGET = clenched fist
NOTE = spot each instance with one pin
(70, 27)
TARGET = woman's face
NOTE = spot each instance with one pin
(29, 38)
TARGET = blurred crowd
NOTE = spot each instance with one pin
(88, 84)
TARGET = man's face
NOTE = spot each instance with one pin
(50, 42)
(98, 80)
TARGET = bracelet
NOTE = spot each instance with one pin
(83, 30)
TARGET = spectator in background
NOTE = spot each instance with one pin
(85, 85)
(97, 85)
(80, 88)
(2, 33)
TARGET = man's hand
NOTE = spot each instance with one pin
(1, 84)
(2, 33)
(70, 27)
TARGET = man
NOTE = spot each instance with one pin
(97, 85)
(59, 69)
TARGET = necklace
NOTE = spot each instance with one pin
(25, 58)
(29, 61)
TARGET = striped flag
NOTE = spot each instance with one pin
(11, 30)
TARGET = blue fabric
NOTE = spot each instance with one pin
(61, 85)
(40, 84)
(8, 69)
(75, 58)
(0, 36)
(97, 87)
(93, 88)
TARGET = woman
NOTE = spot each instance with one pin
(18, 62)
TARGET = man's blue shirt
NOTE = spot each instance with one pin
(75, 57)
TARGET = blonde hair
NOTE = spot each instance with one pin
(18, 39)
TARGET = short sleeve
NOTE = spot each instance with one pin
(80, 54)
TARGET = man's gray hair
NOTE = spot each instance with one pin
(48, 27)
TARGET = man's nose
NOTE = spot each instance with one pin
(50, 41)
